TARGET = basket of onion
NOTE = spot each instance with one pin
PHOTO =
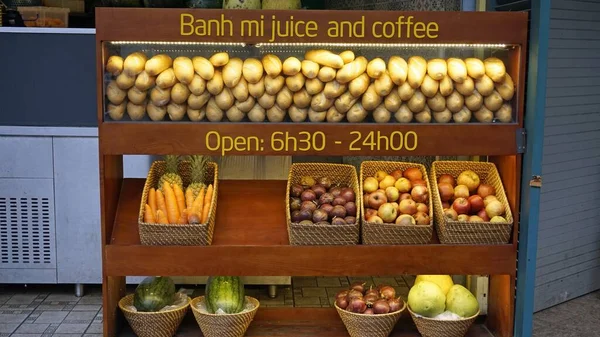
(369, 312)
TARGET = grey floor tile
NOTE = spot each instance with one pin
(52, 317)
(314, 292)
(26, 335)
(93, 335)
(13, 318)
(22, 298)
(50, 307)
(302, 281)
(66, 335)
(62, 297)
(86, 307)
(4, 298)
(80, 317)
(328, 282)
(71, 328)
(32, 328)
(94, 328)
(8, 327)
(90, 300)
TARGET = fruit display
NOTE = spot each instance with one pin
(154, 293)
(398, 197)
(323, 86)
(369, 301)
(167, 203)
(225, 294)
(436, 297)
(321, 202)
(466, 198)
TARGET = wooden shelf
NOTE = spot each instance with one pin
(304, 322)
(341, 139)
(251, 238)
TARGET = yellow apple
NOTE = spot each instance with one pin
(380, 175)
(370, 185)
(387, 182)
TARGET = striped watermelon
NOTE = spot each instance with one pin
(154, 293)
(225, 293)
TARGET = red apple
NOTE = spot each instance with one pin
(421, 219)
(380, 175)
(375, 219)
(412, 173)
(463, 217)
(489, 199)
(419, 193)
(446, 191)
(405, 220)
(470, 179)
(494, 208)
(418, 182)
(397, 174)
(370, 185)
(387, 212)
(405, 196)
(407, 206)
(482, 214)
(369, 212)
(377, 199)
(403, 185)
(484, 190)
(461, 191)
(366, 199)
(392, 194)
(421, 207)
(447, 178)
(450, 214)
(445, 205)
(461, 206)
(476, 203)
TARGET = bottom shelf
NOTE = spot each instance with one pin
(305, 322)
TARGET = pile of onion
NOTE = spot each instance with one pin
(358, 299)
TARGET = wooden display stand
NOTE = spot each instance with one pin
(258, 245)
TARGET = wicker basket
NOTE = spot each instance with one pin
(429, 327)
(318, 234)
(231, 325)
(153, 324)
(360, 325)
(176, 234)
(392, 234)
(461, 232)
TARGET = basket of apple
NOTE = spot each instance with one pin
(321, 204)
(396, 203)
(470, 203)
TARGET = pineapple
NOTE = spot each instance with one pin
(198, 171)
(171, 175)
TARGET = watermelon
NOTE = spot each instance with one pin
(154, 293)
(225, 293)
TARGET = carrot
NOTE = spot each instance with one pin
(197, 205)
(171, 201)
(180, 198)
(152, 200)
(207, 203)
(148, 214)
(162, 218)
(160, 204)
(183, 219)
(189, 199)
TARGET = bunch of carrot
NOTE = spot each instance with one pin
(173, 207)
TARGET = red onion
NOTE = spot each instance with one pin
(381, 307)
(348, 194)
(357, 305)
(309, 205)
(326, 198)
(308, 195)
(343, 293)
(387, 292)
(326, 182)
(350, 208)
(320, 215)
(369, 311)
(341, 302)
(335, 191)
(338, 211)
(354, 294)
(295, 204)
(372, 291)
(358, 286)
(339, 201)
(319, 190)
(296, 190)
(371, 298)
(338, 222)
(350, 220)
(395, 304)
(327, 208)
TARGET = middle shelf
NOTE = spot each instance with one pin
(250, 238)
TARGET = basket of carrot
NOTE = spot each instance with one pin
(179, 202)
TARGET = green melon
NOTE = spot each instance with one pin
(225, 293)
(154, 293)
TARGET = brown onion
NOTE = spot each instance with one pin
(381, 307)
(295, 204)
(357, 305)
(358, 286)
(326, 182)
(371, 298)
(395, 304)
(319, 215)
(387, 292)
(341, 302)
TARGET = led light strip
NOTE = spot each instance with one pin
(179, 43)
(432, 45)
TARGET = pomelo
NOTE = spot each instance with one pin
(443, 281)
(461, 301)
(426, 299)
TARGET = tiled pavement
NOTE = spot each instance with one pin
(45, 311)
